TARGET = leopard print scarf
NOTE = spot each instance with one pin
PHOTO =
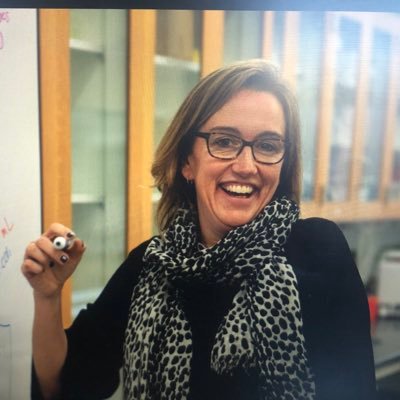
(262, 331)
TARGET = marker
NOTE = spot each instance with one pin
(61, 243)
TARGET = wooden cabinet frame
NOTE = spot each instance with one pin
(212, 41)
(55, 126)
(141, 86)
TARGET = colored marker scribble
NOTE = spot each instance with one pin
(5, 228)
(5, 257)
(5, 252)
(4, 18)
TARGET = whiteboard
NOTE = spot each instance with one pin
(20, 193)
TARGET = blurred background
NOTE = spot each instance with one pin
(128, 71)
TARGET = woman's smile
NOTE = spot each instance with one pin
(238, 189)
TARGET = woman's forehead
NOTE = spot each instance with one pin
(249, 111)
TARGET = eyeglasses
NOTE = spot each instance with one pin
(266, 150)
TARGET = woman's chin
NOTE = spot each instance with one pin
(236, 218)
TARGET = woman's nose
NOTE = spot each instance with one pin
(245, 164)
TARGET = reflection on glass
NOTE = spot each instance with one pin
(277, 38)
(176, 62)
(177, 67)
(346, 71)
(394, 189)
(308, 88)
(98, 110)
(375, 127)
(242, 35)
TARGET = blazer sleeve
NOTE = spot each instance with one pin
(96, 338)
(342, 350)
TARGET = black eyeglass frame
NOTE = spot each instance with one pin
(206, 136)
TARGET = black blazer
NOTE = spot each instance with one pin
(335, 318)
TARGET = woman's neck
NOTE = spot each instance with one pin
(210, 238)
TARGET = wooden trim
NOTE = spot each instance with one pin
(360, 114)
(290, 47)
(390, 131)
(212, 41)
(141, 84)
(268, 32)
(353, 211)
(324, 124)
(55, 114)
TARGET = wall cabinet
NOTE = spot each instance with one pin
(342, 66)
(120, 78)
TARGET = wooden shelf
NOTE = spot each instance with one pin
(83, 198)
(83, 46)
(353, 211)
(171, 62)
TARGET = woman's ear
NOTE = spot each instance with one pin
(187, 171)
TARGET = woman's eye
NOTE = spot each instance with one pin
(224, 142)
(269, 146)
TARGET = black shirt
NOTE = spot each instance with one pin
(335, 322)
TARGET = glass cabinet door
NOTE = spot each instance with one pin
(278, 35)
(394, 186)
(177, 67)
(346, 78)
(308, 79)
(98, 44)
(374, 131)
(242, 35)
(177, 63)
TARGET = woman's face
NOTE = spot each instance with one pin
(232, 192)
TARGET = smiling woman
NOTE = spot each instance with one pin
(209, 97)
(238, 298)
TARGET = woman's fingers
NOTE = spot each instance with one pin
(34, 253)
(59, 257)
(77, 249)
(56, 229)
(34, 261)
(31, 268)
(51, 259)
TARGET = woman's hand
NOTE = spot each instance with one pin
(47, 268)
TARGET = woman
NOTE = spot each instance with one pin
(238, 298)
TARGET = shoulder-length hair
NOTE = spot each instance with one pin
(207, 97)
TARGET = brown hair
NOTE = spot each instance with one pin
(206, 98)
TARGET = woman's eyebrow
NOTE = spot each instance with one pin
(226, 129)
(270, 135)
(234, 131)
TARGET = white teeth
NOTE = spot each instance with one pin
(240, 189)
